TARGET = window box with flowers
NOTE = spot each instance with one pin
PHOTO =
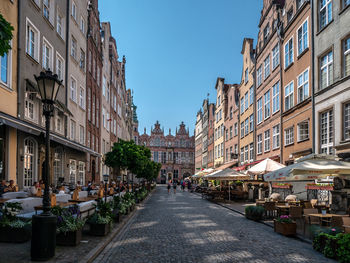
(285, 225)
(282, 185)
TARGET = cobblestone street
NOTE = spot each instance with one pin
(185, 228)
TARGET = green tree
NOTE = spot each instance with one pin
(5, 35)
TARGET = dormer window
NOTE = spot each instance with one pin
(266, 33)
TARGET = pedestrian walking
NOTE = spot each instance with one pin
(174, 186)
(189, 185)
(169, 186)
(183, 185)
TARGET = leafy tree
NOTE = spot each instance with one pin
(5, 35)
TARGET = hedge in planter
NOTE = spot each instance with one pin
(101, 221)
(255, 213)
(69, 225)
(13, 229)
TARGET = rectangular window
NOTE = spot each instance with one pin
(259, 110)
(251, 152)
(259, 76)
(73, 90)
(98, 113)
(276, 137)
(74, 11)
(288, 53)
(303, 39)
(346, 121)
(326, 132)
(231, 112)
(222, 149)
(289, 136)
(81, 135)
(246, 126)
(259, 144)
(300, 3)
(267, 105)
(251, 95)
(242, 155)
(325, 14)
(236, 129)
(236, 148)
(72, 130)
(81, 176)
(29, 105)
(47, 55)
(90, 61)
(94, 109)
(346, 3)
(251, 123)
(246, 101)
(58, 124)
(242, 129)
(73, 50)
(289, 96)
(227, 135)
(303, 86)
(82, 60)
(59, 67)
(72, 171)
(104, 86)
(246, 75)
(89, 104)
(46, 9)
(267, 67)
(346, 56)
(226, 157)
(115, 103)
(267, 141)
(275, 56)
(59, 26)
(303, 131)
(326, 68)
(231, 134)
(242, 105)
(82, 97)
(275, 97)
(82, 25)
(32, 41)
(5, 69)
(246, 152)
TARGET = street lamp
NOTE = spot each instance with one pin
(44, 225)
(105, 179)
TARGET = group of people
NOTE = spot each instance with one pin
(182, 183)
(5, 188)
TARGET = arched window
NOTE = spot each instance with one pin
(57, 165)
(29, 171)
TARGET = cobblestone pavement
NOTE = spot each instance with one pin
(185, 228)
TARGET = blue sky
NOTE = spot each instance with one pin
(176, 49)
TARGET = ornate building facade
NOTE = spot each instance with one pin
(175, 153)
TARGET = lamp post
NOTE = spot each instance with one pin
(105, 179)
(44, 225)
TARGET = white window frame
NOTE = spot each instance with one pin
(307, 136)
(59, 124)
(251, 95)
(328, 146)
(72, 171)
(30, 106)
(303, 43)
(289, 53)
(267, 140)
(73, 130)
(259, 144)
(276, 97)
(325, 7)
(327, 67)
(275, 137)
(346, 121)
(82, 25)
(289, 136)
(303, 85)
(346, 53)
(74, 48)
(82, 97)
(81, 134)
(81, 171)
(60, 25)
(267, 70)
(289, 96)
(267, 105)
(74, 11)
(73, 91)
(46, 44)
(251, 122)
(7, 84)
(36, 40)
(259, 112)
(275, 56)
(59, 57)
(259, 76)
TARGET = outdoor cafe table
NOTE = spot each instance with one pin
(322, 216)
(283, 209)
(60, 204)
(84, 199)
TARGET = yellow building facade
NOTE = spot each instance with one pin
(8, 96)
(219, 122)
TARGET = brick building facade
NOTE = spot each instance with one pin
(175, 153)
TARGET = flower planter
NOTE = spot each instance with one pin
(116, 216)
(287, 186)
(15, 235)
(318, 187)
(286, 229)
(69, 238)
(99, 229)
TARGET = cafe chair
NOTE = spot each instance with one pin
(296, 212)
(346, 224)
(336, 221)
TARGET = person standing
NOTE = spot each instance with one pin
(169, 186)
(174, 186)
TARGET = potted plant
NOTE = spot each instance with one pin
(285, 225)
(116, 212)
(100, 222)
(69, 225)
(12, 228)
(255, 213)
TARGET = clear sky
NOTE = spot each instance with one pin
(176, 49)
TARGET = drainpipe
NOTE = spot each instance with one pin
(67, 63)
(313, 78)
(281, 80)
(19, 94)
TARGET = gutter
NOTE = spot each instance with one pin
(19, 8)
(313, 78)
